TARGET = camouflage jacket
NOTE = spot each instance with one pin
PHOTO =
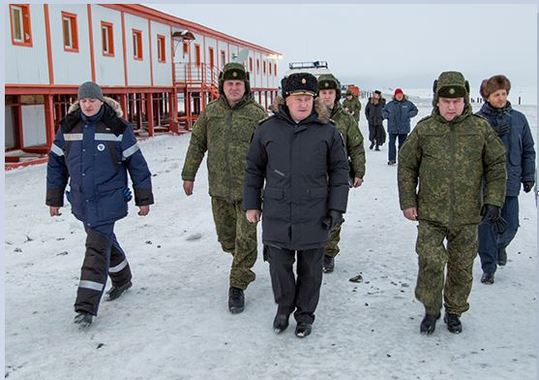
(353, 139)
(225, 133)
(354, 107)
(449, 160)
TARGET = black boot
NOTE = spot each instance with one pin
(83, 319)
(428, 324)
(280, 323)
(236, 300)
(329, 264)
(117, 291)
(303, 329)
(372, 145)
(487, 278)
(453, 323)
(377, 148)
(502, 257)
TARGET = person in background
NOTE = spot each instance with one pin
(375, 118)
(352, 105)
(513, 129)
(398, 112)
(329, 91)
(94, 149)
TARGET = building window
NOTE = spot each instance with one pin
(21, 33)
(223, 58)
(275, 69)
(185, 48)
(269, 68)
(161, 52)
(257, 65)
(137, 44)
(197, 55)
(107, 39)
(69, 27)
(250, 64)
(264, 67)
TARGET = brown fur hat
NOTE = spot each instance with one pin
(493, 84)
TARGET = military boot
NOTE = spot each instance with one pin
(83, 319)
(428, 324)
(453, 323)
(236, 300)
(117, 291)
(303, 329)
(329, 264)
(502, 257)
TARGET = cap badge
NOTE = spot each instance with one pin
(452, 91)
(234, 74)
(303, 81)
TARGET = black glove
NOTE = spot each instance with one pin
(493, 215)
(528, 185)
(502, 129)
(333, 220)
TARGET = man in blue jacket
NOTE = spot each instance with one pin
(398, 113)
(94, 149)
(514, 131)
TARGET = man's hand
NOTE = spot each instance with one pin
(144, 210)
(54, 211)
(357, 182)
(253, 216)
(410, 213)
(188, 187)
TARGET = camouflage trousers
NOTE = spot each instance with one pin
(332, 248)
(433, 258)
(238, 237)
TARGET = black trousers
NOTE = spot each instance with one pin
(104, 257)
(301, 293)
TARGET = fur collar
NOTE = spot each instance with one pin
(111, 116)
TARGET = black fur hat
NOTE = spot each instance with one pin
(299, 83)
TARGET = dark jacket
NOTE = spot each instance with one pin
(398, 115)
(374, 111)
(306, 172)
(95, 154)
(518, 144)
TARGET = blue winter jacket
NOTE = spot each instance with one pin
(518, 144)
(94, 154)
(398, 115)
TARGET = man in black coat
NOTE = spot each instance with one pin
(301, 156)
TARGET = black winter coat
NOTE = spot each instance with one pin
(374, 112)
(306, 172)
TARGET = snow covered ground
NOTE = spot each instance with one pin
(174, 322)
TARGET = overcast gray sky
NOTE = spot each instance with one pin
(388, 45)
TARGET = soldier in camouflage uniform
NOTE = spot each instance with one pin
(329, 90)
(225, 129)
(449, 154)
(352, 105)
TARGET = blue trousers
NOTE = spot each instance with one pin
(103, 258)
(491, 242)
(392, 149)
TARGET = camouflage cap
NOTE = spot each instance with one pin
(299, 84)
(329, 82)
(234, 71)
(451, 84)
